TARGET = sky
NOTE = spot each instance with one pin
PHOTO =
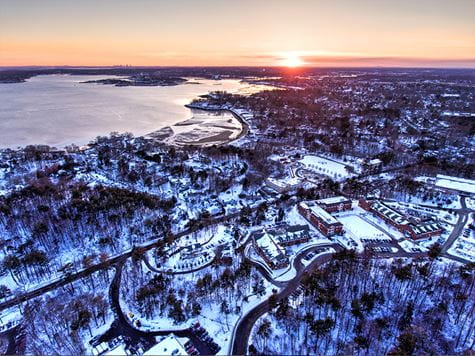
(415, 33)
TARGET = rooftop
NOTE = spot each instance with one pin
(332, 200)
(390, 213)
(320, 213)
(285, 182)
(456, 183)
(170, 345)
(271, 248)
(424, 228)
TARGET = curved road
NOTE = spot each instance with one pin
(106, 264)
(243, 330)
(133, 336)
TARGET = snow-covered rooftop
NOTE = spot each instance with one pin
(375, 161)
(270, 247)
(168, 346)
(332, 200)
(390, 213)
(319, 213)
(119, 350)
(456, 183)
(285, 182)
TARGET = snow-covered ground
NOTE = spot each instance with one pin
(470, 202)
(360, 229)
(218, 324)
(332, 168)
(411, 246)
(464, 246)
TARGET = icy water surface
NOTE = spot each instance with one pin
(58, 110)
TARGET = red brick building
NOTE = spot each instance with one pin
(335, 204)
(416, 231)
(320, 218)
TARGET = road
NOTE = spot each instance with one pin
(245, 324)
(242, 332)
(133, 336)
(244, 327)
(463, 214)
(106, 264)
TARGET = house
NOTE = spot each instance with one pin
(272, 253)
(320, 219)
(335, 204)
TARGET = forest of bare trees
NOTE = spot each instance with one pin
(359, 305)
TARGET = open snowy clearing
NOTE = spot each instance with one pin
(331, 168)
(362, 229)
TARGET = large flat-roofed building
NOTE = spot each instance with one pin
(415, 230)
(284, 185)
(272, 253)
(451, 184)
(320, 218)
(335, 204)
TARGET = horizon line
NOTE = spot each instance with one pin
(381, 66)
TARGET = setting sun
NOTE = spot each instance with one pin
(292, 61)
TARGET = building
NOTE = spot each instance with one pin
(289, 235)
(320, 218)
(424, 230)
(272, 253)
(449, 184)
(226, 255)
(169, 345)
(385, 212)
(284, 185)
(416, 230)
(335, 204)
(373, 166)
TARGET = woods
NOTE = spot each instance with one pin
(357, 305)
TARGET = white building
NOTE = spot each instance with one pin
(169, 345)
(284, 185)
(454, 184)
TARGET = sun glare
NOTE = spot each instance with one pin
(292, 61)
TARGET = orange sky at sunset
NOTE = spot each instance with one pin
(187, 33)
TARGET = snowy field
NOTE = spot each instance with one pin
(325, 166)
(361, 229)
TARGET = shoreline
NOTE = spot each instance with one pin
(245, 126)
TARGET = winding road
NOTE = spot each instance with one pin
(243, 329)
(244, 326)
